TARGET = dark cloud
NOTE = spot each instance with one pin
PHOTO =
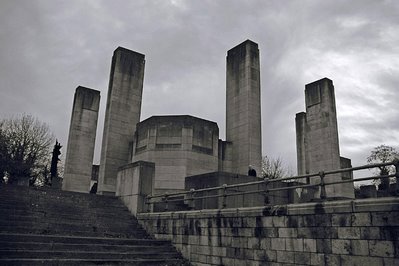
(51, 47)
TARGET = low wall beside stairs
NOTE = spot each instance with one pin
(348, 232)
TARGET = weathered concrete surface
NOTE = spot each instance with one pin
(225, 156)
(135, 182)
(179, 146)
(317, 138)
(121, 115)
(348, 232)
(322, 129)
(300, 123)
(81, 140)
(346, 163)
(243, 111)
(302, 160)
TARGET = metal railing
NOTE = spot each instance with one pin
(224, 190)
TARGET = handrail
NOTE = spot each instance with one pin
(323, 176)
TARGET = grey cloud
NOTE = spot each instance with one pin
(51, 47)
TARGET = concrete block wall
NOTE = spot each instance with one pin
(349, 232)
(135, 181)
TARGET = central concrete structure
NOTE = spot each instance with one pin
(180, 145)
(243, 111)
(121, 115)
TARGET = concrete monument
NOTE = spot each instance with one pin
(121, 115)
(181, 145)
(317, 138)
(81, 140)
(243, 111)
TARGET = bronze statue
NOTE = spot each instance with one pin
(55, 159)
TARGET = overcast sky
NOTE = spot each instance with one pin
(48, 48)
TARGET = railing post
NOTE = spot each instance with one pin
(396, 164)
(224, 196)
(147, 202)
(191, 199)
(266, 182)
(323, 194)
(166, 201)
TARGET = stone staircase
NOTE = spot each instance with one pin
(42, 226)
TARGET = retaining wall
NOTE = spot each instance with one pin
(350, 232)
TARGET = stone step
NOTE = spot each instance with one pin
(100, 217)
(63, 226)
(123, 233)
(57, 219)
(37, 194)
(43, 198)
(84, 216)
(60, 207)
(6, 245)
(51, 254)
(50, 227)
(68, 262)
(54, 205)
(14, 189)
(66, 239)
(72, 197)
(18, 199)
(101, 213)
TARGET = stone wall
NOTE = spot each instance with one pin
(350, 232)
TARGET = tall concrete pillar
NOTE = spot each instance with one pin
(322, 135)
(121, 115)
(81, 140)
(243, 111)
(300, 123)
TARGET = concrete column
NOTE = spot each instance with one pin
(300, 123)
(81, 140)
(135, 181)
(322, 135)
(122, 114)
(346, 163)
(243, 111)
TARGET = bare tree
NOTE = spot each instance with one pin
(27, 143)
(383, 154)
(274, 168)
(3, 152)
